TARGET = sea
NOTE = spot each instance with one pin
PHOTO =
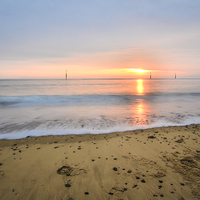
(95, 106)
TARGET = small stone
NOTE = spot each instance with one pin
(151, 137)
(93, 160)
(115, 168)
(137, 177)
(110, 193)
(135, 185)
(67, 185)
(182, 184)
(143, 181)
(86, 193)
(79, 148)
(160, 186)
(160, 181)
(129, 171)
(114, 158)
(125, 189)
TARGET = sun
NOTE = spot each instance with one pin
(140, 71)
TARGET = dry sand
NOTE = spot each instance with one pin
(158, 163)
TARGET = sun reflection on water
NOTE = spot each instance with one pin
(140, 87)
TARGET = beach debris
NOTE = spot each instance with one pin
(67, 185)
(143, 181)
(151, 137)
(179, 141)
(135, 185)
(115, 168)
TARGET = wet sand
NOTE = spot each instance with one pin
(158, 163)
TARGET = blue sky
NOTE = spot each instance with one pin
(97, 36)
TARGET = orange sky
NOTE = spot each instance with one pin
(97, 39)
(119, 64)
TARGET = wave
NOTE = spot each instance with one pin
(41, 100)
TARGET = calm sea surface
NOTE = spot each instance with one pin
(46, 107)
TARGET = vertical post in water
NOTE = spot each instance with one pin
(175, 75)
(150, 75)
(66, 74)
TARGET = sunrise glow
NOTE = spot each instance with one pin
(140, 71)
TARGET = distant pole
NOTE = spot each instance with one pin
(66, 74)
(150, 75)
(175, 75)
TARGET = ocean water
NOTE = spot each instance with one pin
(50, 107)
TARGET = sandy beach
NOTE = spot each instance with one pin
(157, 163)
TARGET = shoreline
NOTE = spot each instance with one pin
(162, 162)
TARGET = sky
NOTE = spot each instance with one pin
(99, 39)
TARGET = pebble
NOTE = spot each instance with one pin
(143, 181)
(86, 193)
(135, 185)
(129, 171)
(115, 168)
(67, 185)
